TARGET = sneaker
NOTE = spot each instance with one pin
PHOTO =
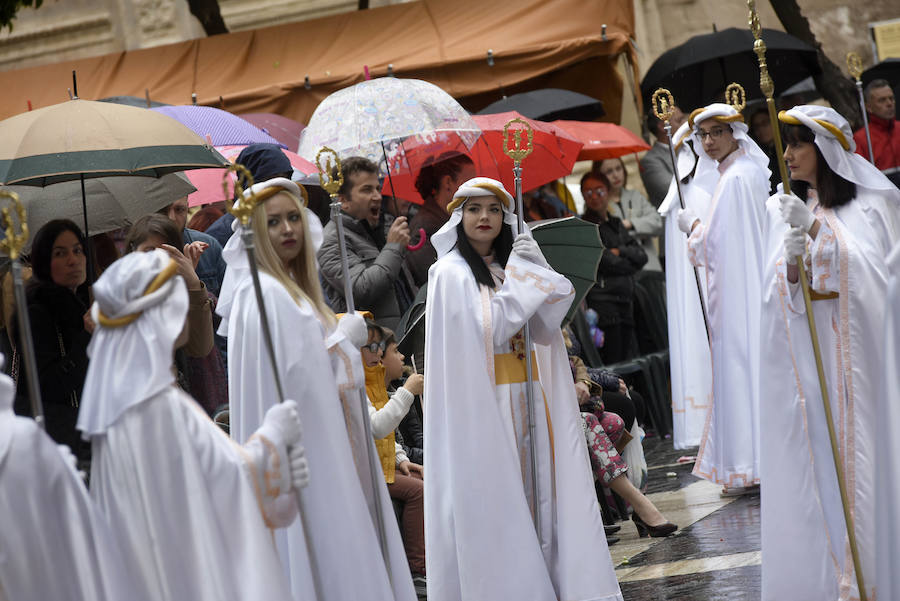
(420, 584)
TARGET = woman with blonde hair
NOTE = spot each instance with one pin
(308, 349)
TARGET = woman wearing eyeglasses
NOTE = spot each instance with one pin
(612, 296)
(479, 500)
(310, 348)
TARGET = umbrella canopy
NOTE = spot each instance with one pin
(112, 202)
(85, 138)
(221, 127)
(555, 153)
(286, 131)
(698, 71)
(602, 140)
(573, 248)
(208, 182)
(371, 118)
(549, 104)
(888, 69)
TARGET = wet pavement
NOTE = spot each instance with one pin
(715, 553)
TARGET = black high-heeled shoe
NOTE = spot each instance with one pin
(611, 529)
(645, 529)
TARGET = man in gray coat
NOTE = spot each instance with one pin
(656, 165)
(375, 249)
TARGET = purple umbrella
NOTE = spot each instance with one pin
(287, 131)
(222, 127)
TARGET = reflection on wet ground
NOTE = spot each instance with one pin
(715, 554)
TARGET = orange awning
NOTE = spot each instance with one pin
(535, 43)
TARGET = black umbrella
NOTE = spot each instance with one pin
(698, 71)
(888, 69)
(549, 104)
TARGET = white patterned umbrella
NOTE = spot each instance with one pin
(371, 118)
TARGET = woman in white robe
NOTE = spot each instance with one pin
(191, 508)
(845, 229)
(323, 370)
(479, 529)
(54, 544)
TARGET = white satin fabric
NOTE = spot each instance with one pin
(479, 532)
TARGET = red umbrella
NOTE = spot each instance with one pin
(209, 181)
(603, 140)
(287, 131)
(555, 153)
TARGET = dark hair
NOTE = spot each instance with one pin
(594, 174)
(153, 225)
(205, 217)
(435, 168)
(374, 328)
(388, 337)
(874, 85)
(832, 189)
(595, 166)
(502, 248)
(351, 166)
(653, 123)
(42, 246)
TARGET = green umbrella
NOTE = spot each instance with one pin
(573, 248)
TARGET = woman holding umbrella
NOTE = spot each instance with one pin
(638, 216)
(61, 328)
(482, 290)
(843, 217)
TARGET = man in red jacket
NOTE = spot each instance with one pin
(883, 128)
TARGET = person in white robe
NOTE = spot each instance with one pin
(690, 365)
(843, 217)
(54, 544)
(319, 365)
(728, 242)
(480, 533)
(887, 452)
(193, 510)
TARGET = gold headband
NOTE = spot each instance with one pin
(833, 129)
(719, 118)
(161, 278)
(498, 192)
(267, 193)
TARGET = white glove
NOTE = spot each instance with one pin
(794, 244)
(353, 327)
(299, 466)
(525, 246)
(281, 424)
(795, 213)
(686, 219)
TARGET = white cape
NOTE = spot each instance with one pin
(480, 537)
(730, 245)
(804, 541)
(887, 451)
(178, 491)
(342, 533)
(54, 544)
(689, 361)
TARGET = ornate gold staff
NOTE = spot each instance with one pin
(664, 107)
(854, 65)
(768, 88)
(332, 178)
(242, 208)
(517, 153)
(12, 244)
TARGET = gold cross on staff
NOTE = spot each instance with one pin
(13, 242)
(736, 96)
(518, 151)
(854, 65)
(663, 104)
(242, 207)
(330, 175)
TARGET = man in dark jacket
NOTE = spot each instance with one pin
(612, 295)
(375, 249)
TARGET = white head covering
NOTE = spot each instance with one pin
(834, 138)
(131, 363)
(445, 238)
(725, 113)
(235, 254)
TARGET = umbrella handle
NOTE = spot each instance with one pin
(423, 237)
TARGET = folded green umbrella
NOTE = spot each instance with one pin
(573, 248)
